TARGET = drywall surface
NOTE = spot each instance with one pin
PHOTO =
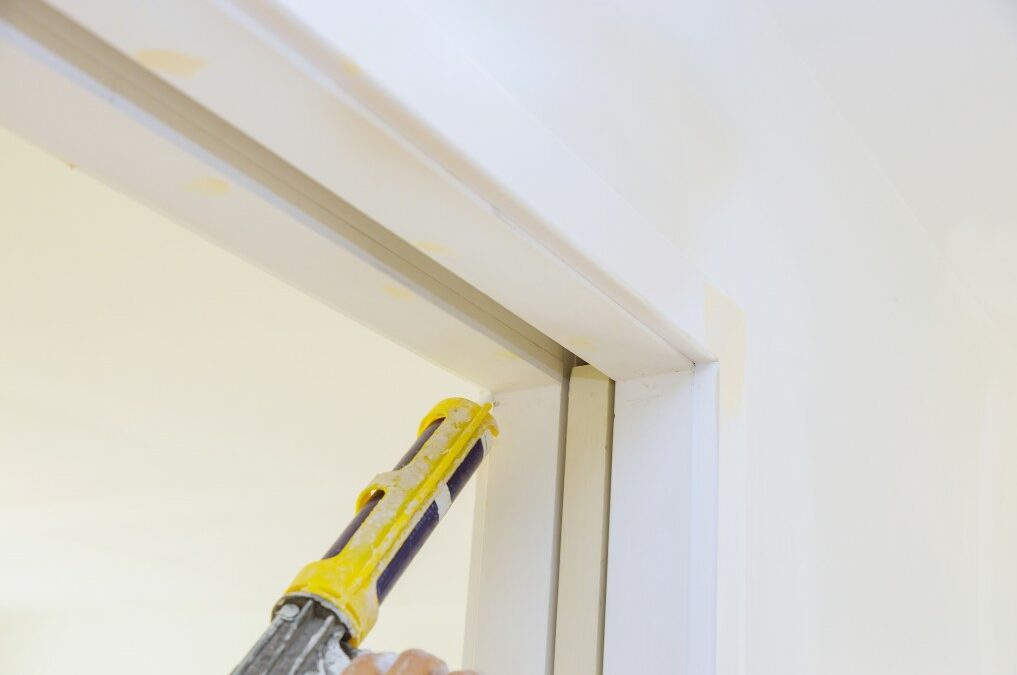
(843, 181)
(179, 434)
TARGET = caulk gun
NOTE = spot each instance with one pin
(333, 603)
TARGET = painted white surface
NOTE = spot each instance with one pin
(447, 107)
(646, 626)
(510, 616)
(293, 98)
(582, 558)
(94, 128)
(701, 653)
(179, 433)
(839, 177)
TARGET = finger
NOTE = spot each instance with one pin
(369, 664)
(418, 662)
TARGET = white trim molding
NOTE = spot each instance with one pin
(353, 152)
(97, 108)
(513, 583)
(661, 571)
(586, 485)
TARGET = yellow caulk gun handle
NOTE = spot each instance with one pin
(395, 514)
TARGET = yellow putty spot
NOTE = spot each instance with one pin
(169, 62)
(727, 337)
(349, 67)
(397, 292)
(209, 186)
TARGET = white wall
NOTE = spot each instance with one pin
(868, 448)
(827, 169)
(179, 434)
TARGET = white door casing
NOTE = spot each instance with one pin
(586, 483)
(493, 301)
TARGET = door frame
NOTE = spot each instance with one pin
(600, 283)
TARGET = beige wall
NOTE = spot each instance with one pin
(179, 433)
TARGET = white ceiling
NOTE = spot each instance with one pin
(679, 105)
(179, 433)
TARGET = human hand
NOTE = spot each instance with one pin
(410, 662)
